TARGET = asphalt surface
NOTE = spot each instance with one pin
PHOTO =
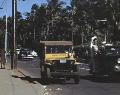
(87, 85)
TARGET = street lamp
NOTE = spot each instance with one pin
(5, 31)
(34, 11)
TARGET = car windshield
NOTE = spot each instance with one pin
(25, 51)
(58, 49)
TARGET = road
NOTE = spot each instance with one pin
(87, 85)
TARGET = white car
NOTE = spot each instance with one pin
(27, 54)
(34, 53)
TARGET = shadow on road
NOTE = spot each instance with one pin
(101, 79)
(57, 81)
(61, 81)
(38, 80)
(27, 78)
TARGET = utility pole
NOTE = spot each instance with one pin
(6, 35)
(13, 44)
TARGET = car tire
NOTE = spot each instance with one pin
(45, 76)
(76, 80)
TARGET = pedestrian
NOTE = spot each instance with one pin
(93, 52)
(2, 58)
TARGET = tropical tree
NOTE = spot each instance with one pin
(77, 22)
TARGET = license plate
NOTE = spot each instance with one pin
(62, 61)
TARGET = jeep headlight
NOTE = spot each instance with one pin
(118, 61)
(117, 68)
(53, 62)
(70, 54)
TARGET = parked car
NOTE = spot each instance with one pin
(26, 54)
(106, 61)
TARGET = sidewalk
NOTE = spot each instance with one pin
(12, 84)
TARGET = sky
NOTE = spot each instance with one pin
(22, 6)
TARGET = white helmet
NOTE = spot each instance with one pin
(92, 40)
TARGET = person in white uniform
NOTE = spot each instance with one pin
(93, 50)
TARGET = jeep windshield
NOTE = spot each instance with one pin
(58, 49)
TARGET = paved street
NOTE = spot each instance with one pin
(16, 83)
(87, 85)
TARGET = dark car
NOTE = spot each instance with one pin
(106, 61)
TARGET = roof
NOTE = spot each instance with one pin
(57, 42)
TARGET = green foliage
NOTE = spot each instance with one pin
(56, 21)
